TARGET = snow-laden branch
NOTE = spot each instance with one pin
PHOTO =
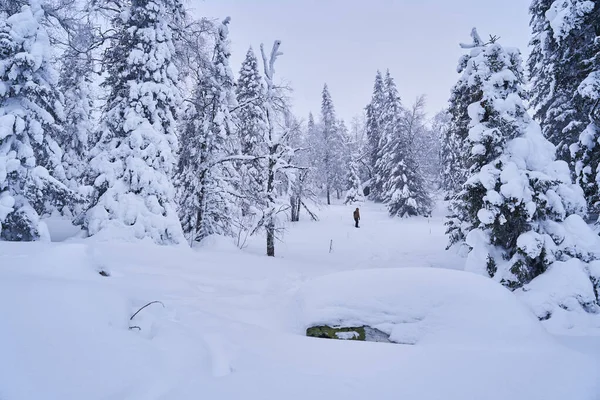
(477, 42)
(269, 64)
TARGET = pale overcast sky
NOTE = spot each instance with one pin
(344, 42)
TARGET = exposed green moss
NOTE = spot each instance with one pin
(328, 332)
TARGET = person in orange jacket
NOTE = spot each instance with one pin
(356, 217)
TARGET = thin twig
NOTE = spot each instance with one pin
(152, 302)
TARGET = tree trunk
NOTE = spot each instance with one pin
(198, 231)
(313, 216)
(270, 225)
(299, 203)
(270, 239)
(295, 207)
(328, 197)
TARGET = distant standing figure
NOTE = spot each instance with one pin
(356, 217)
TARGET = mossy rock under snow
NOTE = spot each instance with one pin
(362, 333)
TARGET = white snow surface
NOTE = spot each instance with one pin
(233, 321)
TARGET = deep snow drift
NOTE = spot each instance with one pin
(233, 322)
(422, 306)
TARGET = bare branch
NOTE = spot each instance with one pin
(152, 302)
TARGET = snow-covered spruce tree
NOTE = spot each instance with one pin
(424, 143)
(355, 189)
(563, 42)
(587, 150)
(31, 174)
(133, 161)
(520, 203)
(455, 144)
(206, 179)
(455, 150)
(251, 126)
(396, 171)
(438, 131)
(374, 111)
(332, 143)
(312, 153)
(352, 165)
(76, 83)
(312, 144)
(342, 160)
(389, 125)
(450, 159)
(490, 62)
(311, 130)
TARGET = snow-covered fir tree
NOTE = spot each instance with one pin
(583, 25)
(312, 142)
(32, 179)
(343, 157)
(424, 141)
(76, 83)
(355, 188)
(450, 159)
(310, 126)
(206, 178)
(389, 125)
(440, 124)
(456, 150)
(488, 63)
(332, 147)
(563, 42)
(396, 171)
(251, 125)
(313, 152)
(587, 150)
(361, 153)
(133, 161)
(520, 205)
(374, 111)
(454, 142)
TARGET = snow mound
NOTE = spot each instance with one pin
(564, 297)
(421, 306)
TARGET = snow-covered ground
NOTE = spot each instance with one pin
(380, 242)
(233, 321)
